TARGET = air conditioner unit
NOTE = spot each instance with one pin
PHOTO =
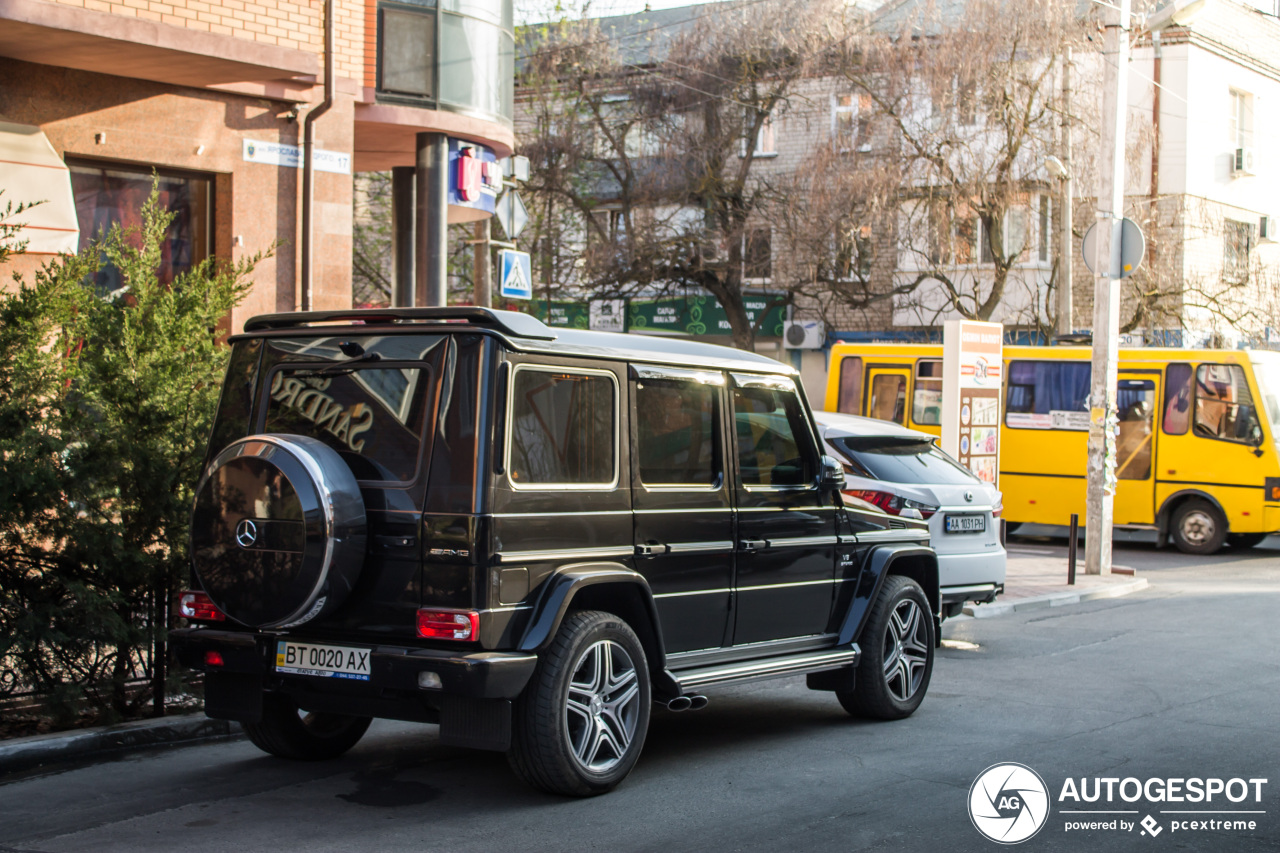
(1267, 228)
(803, 334)
(1242, 163)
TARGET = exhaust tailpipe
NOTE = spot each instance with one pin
(680, 703)
(697, 703)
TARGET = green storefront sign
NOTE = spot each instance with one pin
(692, 315)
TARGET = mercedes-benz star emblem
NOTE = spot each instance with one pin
(968, 496)
(246, 533)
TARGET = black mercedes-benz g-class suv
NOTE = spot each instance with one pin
(528, 536)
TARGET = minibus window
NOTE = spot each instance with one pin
(1135, 402)
(926, 400)
(1268, 376)
(888, 397)
(1177, 399)
(1047, 395)
(1224, 407)
(850, 400)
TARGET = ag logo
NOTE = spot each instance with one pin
(1008, 803)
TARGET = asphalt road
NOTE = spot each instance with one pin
(1178, 680)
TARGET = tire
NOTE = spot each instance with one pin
(579, 726)
(1245, 540)
(1198, 527)
(286, 732)
(899, 638)
(1011, 527)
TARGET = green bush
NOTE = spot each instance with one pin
(105, 409)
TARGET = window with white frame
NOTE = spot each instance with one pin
(766, 140)
(1237, 243)
(851, 122)
(1240, 122)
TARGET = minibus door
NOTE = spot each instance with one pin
(886, 392)
(1136, 396)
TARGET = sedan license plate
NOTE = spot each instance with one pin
(323, 661)
(965, 523)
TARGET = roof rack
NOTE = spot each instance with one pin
(508, 322)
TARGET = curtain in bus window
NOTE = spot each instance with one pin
(1044, 387)
(1177, 399)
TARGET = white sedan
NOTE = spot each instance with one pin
(902, 472)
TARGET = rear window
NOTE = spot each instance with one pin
(373, 416)
(902, 461)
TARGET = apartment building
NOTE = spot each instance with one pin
(213, 97)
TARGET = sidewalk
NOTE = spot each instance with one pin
(1037, 577)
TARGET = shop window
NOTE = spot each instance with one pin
(849, 398)
(1224, 407)
(110, 194)
(1177, 399)
(926, 399)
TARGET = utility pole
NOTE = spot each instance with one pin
(1067, 243)
(483, 265)
(1106, 296)
(431, 256)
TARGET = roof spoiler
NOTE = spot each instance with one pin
(511, 323)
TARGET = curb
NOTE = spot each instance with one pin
(30, 752)
(1053, 599)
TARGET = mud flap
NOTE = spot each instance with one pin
(475, 723)
(233, 696)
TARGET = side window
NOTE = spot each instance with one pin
(1224, 406)
(888, 397)
(770, 426)
(1177, 399)
(1047, 395)
(926, 400)
(677, 425)
(563, 429)
(1135, 401)
(850, 395)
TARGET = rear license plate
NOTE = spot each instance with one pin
(964, 523)
(322, 661)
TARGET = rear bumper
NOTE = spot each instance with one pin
(980, 593)
(973, 568)
(393, 669)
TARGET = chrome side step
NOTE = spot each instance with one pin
(741, 672)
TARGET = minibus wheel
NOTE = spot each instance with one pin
(1198, 527)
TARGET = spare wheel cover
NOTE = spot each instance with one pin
(278, 530)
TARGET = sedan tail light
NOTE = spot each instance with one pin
(196, 605)
(435, 624)
(891, 503)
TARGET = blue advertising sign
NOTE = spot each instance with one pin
(517, 274)
(475, 175)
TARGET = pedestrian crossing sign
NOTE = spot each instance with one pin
(517, 278)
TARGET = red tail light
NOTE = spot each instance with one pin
(999, 507)
(890, 503)
(448, 624)
(196, 605)
(213, 659)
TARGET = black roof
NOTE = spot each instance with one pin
(520, 332)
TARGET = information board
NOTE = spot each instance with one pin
(972, 369)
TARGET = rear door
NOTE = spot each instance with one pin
(1136, 394)
(786, 528)
(682, 502)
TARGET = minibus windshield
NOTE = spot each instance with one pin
(1268, 376)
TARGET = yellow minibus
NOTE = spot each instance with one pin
(1196, 448)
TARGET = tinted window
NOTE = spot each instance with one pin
(850, 395)
(768, 423)
(562, 429)
(1224, 406)
(372, 416)
(903, 461)
(676, 432)
(1048, 394)
(888, 397)
(1177, 399)
(926, 399)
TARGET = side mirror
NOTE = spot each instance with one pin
(1255, 434)
(832, 475)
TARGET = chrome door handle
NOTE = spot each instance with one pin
(754, 544)
(652, 549)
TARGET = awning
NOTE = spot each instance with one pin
(31, 171)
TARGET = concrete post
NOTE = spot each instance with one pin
(1106, 296)
(402, 236)
(432, 259)
(1067, 242)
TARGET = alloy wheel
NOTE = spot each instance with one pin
(602, 706)
(906, 651)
